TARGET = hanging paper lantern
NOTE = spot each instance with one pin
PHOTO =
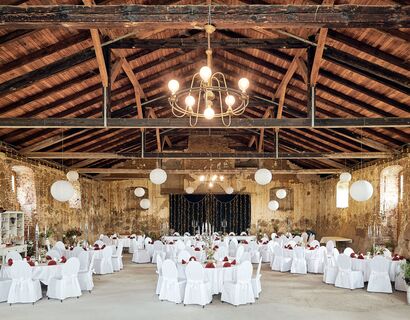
(139, 192)
(72, 175)
(281, 193)
(273, 205)
(145, 204)
(345, 177)
(229, 190)
(361, 190)
(62, 190)
(189, 190)
(158, 176)
(263, 176)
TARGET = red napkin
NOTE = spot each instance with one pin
(96, 248)
(352, 255)
(28, 257)
(233, 262)
(290, 248)
(114, 238)
(277, 237)
(85, 249)
(48, 258)
(10, 262)
(171, 242)
(361, 257)
(217, 239)
(192, 259)
(103, 246)
(52, 263)
(227, 265)
(31, 263)
(183, 261)
(245, 242)
(311, 248)
(396, 258)
(149, 242)
(197, 249)
(226, 259)
(71, 248)
(216, 247)
(210, 265)
(63, 259)
(129, 237)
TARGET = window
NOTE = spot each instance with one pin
(342, 194)
(391, 189)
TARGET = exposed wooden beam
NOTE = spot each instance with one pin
(233, 43)
(237, 123)
(116, 69)
(198, 172)
(187, 16)
(157, 133)
(318, 56)
(267, 114)
(131, 76)
(14, 36)
(302, 69)
(209, 155)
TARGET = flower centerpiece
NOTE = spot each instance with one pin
(70, 237)
(378, 250)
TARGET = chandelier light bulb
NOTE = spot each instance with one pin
(202, 178)
(230, 100)
(211, 184)
(189, 101)
(221, 178)
(205, 73)
(209, 113)
(173, 86)
(243, 84)
(214, 177)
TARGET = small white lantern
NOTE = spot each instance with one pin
(62, 190)
(139, 192)
(145, 204)
(158, 176)
(281, 193)
(273, 205)
(229, 190)
(263, 176)
(189, 190)
(361, 190)
(345, 177)
(72, 175)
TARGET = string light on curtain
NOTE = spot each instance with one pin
(209, 95)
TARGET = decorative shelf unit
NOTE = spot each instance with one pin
(12, 227)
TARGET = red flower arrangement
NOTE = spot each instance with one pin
(31, 263)
(227, 265)
(183, 261)
(48, 258)
(10, 262)
(63, 259)
(197, 249)
(352, 255)
(210, 265)
(52, 263)
(233, 262)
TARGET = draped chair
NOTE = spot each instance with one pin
(60, 247)
(197, 290)
(329, 270)
(4, 289)
(54, 254)
(379, 280)
(298, 261)
(159, 273)
(254, 252)
(117, 258)
(158, 250)
(239, 291)
(13, 255)
(103, 265)
(315, 262)
(346, 277)
(348, 251)
(172, 289)
(256, 281)
(280, 262)
(67, 286)
(23, 288)
(142, 254)
(85, 276)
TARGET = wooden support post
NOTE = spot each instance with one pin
(107, 90)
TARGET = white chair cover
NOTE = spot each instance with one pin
(99, 243)
(346, 278)
(239, 253)
(329, 270)
(172, 289)
(197, 291)
(273, 236)
(117, 258)
(159, 272)
(233, 246)
(77, 251)
(184, 255)
(133, 246)
(379, 280)
(85, 278)
(305, 237)
(254, 252)
(158, 250)
(13, 255)
(314, 243)
(142, 255)
(256, 281)
(83, 257)
(348, 251)
(400, 283)
(4, 289)
(67, 286)
(298, 261)
(103, 265)
(240, 291)
(280, 262)
(23, 288)
(315, 262)
(59, 245)
(54, 254)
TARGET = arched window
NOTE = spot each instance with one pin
(342, 194)
(25, 188)
(391, 189)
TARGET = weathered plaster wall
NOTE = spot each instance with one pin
(353, 222)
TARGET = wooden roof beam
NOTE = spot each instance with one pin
(187, 16)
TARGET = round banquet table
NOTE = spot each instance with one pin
(364, 266)
(288, 253)
(216, 276)
(42, 272)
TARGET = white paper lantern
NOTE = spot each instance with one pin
(139, 192)
(229, 190)
(281, 193)
(345, 177)
(189, 190)
(158, 176)
(273, 205)
(145, 204)
(62, 190)
(72, 175)
(361, 190)
(263, 176)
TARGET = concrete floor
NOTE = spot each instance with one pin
(130, 295)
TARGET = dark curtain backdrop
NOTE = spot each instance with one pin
(190, 211)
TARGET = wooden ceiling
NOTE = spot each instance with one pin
(56, 72)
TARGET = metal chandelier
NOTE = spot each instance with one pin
(209, 95)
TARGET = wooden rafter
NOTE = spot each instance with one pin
(157, 132)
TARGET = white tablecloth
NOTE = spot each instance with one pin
(44, 273)
(364, 266)
(241, 238)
